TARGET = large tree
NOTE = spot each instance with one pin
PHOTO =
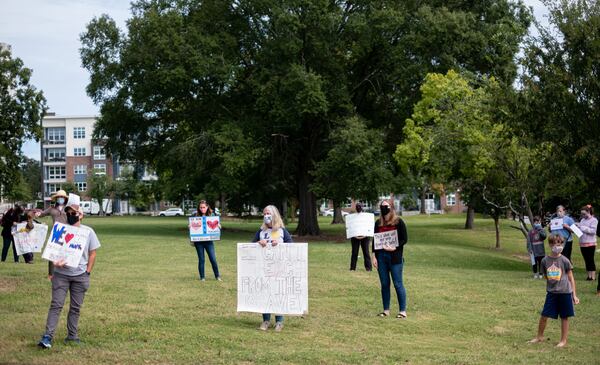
(276, 77)
(561, 87)
(22, 108)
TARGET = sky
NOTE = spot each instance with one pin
(45, 35)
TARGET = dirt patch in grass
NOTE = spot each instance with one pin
(8, 284)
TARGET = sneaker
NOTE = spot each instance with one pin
(264, 326)
(219, 279)
(45, 342)
(71, 341)
(278, 326)
(202, 279)
(535, 276)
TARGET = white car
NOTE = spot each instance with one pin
(329, 213)
(171, 212)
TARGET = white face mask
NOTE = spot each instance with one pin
(557, 249)
(267, 219)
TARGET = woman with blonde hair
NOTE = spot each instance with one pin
(389, 259)
(272, 232)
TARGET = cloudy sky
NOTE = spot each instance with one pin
(45, 35)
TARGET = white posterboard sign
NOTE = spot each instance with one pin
(360, 224)
(31, 241)
(273, 279)
(556, 224)
(205, 228)
(388, 238)
(576, 230)
(66, 243)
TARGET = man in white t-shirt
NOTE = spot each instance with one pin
(75, 280)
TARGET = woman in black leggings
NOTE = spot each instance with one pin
(587, 242)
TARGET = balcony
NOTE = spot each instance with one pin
(55, 159)
(53, 142)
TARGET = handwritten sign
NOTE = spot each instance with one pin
(205, 229)
(273, 279)
(389, 238)
(576, 230)
(359, 224)
(556, 224)
(30, 241)
(66, 243)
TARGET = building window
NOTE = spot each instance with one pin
(79, 132)
(80, 169)
(451, 199)
(55, 135)
(55, 172)
(81, 186)
(99, 153)
(55, 155)
(79, 151)
(100, 168)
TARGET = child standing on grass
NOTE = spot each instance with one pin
(535, 246)
(560, 287)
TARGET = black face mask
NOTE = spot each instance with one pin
(384, 209)
(72, 219)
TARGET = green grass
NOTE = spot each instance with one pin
(467, 303)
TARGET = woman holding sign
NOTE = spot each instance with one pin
(388, 246)
(205, 211)
(587, 242)
(272, 232)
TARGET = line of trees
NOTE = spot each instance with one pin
(252, 102)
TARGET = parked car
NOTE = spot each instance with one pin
(171, 212)
(329, 213)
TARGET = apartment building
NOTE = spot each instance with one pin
(69, 154)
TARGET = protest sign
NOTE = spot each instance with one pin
(66, 243)
(388, 238)
(556, 224)
(273, 279)
(360, 224)
(30, 241)
(205, 229)
(576, 230)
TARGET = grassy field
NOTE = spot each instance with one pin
(467, 303)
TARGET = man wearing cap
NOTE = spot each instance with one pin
(75, 280)
(57, 212)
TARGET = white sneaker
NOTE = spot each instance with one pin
(278, 326)
(264, 326)
(535, 276)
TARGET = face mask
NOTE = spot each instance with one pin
(537, 226)
(585, 215)
(557, 249)
(384, 209)
(560, 214)
(358, 209)
(72, 219)
(60, 201)
(267, 219)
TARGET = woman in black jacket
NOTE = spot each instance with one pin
(389, 259)
(9, 219)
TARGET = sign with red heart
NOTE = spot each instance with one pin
(66, 243)
(205, 229)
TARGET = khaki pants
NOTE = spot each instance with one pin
(77, 286)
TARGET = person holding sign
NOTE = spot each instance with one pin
(535, 246)
(587, 242)
(272, 232)
(73, 279)
(9, 222)
(57, 212)
(360, 242)
(561, 224)
(205, 211)
(388, 246)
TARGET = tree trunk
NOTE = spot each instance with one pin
(337, 214)
(284, 210)
(528, 210)
(223, 203)
(308, 225)
(497, 226)
(470, 217)
(422, 197)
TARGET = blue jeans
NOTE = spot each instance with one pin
(267, 317)
(209, 246)
(385, 268)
